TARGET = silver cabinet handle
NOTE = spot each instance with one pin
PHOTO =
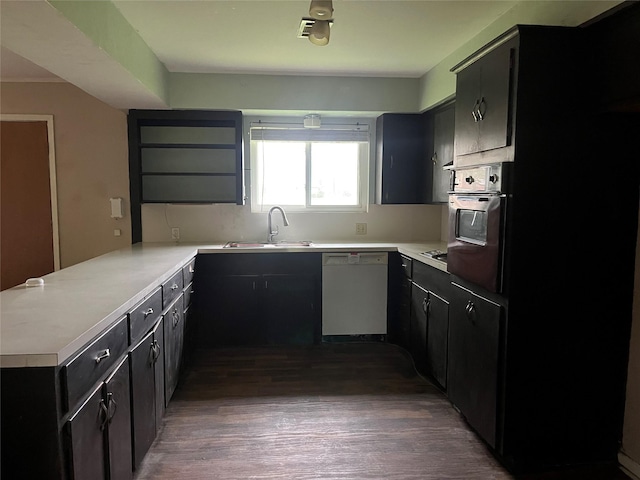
(104, 414)
(105, 354)
(474, 111)
(148, 312)
(174, 286)
(191, 269)
(482, 109)
(176, 318)
(470, 310)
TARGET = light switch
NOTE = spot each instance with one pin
(116, 207)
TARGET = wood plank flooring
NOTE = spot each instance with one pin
(332, 411)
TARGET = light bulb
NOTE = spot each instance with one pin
(321, 9)
(319, 33)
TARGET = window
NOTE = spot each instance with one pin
(309, 169)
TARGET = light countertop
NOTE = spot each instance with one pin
(45, 325)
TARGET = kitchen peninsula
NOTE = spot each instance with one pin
(70, 348)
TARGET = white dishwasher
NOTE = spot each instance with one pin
(354, 293)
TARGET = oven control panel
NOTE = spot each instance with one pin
(487, 178)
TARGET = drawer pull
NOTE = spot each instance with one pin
(174, 286)
(191, 269)
(104, 415)
(176, 318)
(155, 351)
(103, 355)
(148, 312)
(112, 406)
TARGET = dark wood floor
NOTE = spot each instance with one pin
(333, 411)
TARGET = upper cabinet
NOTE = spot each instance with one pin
(402, 176)
(443, 121)
(482, 116)
(184, 156)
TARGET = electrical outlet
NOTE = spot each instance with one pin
(175, 233)
(361, 228)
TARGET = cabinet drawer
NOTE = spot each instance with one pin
(144, 316)
(86, 368)
(171, 289)
(188, 290)
(188, 270)
(430, 278)
(406, 263)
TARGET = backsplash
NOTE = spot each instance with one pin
(223, 223)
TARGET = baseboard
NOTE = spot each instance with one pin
(630, 466)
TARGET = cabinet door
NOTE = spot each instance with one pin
(404, 326)
(474, 348)
(289, 309)
(482, 119)
(158, 371)
(173, 341)
(229, 311)
(143, 394)
(85, 430)
(418, 333)
(437, 338)
(117, 398)
(401, 159)
(443, 136)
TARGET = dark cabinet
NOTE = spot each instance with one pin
(289, 305)
(418, 327)
(437, 312)
(147, 400)
(482, 107)
(267, 299)
(474, 350)
(188, 272)
(184, 156)
(402, 176)
(100, 430)
(442, 152)
(231, 316)
(399, 314)
(173, 346)
(430, 321)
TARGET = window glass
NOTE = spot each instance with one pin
(309, 169)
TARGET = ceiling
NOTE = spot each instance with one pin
(374, 38)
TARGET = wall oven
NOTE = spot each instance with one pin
(477, 212)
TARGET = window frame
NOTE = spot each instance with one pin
(364, 164)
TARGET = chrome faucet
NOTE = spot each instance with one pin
(274, 231)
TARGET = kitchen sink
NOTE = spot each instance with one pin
(281, 244)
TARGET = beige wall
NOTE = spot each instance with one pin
(92, 164)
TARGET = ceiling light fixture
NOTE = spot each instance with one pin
(321, 9)
(321, 13)
(319, 33)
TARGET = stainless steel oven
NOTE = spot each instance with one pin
(477, 211)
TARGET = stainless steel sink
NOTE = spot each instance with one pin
(282, 244)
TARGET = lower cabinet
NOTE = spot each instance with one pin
(437, 338)
(429, 344)
(258, 299)
(474, 348)
(174, 342)
(418, 328)
(100, 430)
(429, 333)
(147, 390)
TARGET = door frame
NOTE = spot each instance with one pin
(52, 175)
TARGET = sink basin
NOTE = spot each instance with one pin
(282, 244)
